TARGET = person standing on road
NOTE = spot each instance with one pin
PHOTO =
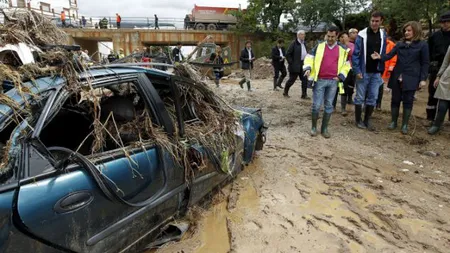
(388, 68)
(118, 20)
(438, 44)
(350, 79)
(186, 22)
(176, 53)
(156, 22)
(63, 19)
(247, 58)
(83, 21)
(216, 58)
(367, 70)
(328, 65)
(442, 86)
(278, 56)
(295, 56)
(411, 70)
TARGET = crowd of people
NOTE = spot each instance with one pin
(370, 63)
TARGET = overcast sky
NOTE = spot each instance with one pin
(147, 8)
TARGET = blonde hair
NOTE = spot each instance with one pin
(417, 30)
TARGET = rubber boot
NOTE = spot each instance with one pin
(241, 83)
(406, 116)
(325, 120)
(275, 82)
(344, 105)
(358, 112)
(367, 116)
(437, 124)
(217, 82)
(249, 86)
(395, 111)
(315, 117)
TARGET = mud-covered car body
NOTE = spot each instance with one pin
(46, 207)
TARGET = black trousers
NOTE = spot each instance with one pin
(349, 85)
(118, 25)
(399, 95)
(432, 102)
(279, 68)
(292, 78)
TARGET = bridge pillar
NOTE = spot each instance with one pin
(90, 45)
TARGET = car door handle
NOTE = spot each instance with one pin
(74, 201)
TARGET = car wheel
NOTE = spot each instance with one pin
(260, 140)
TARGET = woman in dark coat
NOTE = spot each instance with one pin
(216, 58)
(410, 71)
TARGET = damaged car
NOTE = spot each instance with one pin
(108, 165)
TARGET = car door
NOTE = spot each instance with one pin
(71, 212)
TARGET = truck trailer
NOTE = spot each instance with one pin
(211, 18)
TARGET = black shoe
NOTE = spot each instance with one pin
(241, 83)
(281, 87)
(286, 95)
(305, 97)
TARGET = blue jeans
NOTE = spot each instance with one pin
(367, 89)
(324, 90)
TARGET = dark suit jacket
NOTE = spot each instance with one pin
(294, 57)
(276, 57)
(413, 61)
(246, 63)
(176, 52)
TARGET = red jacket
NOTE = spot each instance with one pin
(389, 65)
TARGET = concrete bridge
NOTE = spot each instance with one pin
(131, 39)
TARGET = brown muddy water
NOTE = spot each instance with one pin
(351, 193)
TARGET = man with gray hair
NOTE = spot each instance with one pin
(352, 35)
(295, 56)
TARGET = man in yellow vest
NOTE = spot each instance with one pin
(327, 65)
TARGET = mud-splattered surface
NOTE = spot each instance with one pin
(351, 193)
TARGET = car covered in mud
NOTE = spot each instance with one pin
(67, 186)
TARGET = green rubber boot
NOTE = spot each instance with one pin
(315, 117)
(395, 111)
(406, 116)
(325, 120)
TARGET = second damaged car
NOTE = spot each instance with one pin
(105, 160)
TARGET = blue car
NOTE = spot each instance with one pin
(61, 192)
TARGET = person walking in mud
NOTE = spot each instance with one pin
(278, 56)
(295, 56)
(216, 58)
(410, 71)
(368, 70)
(328, 65)
(352, 35)
(442, 86)
(344, 41)
(438, 44)
(247, 58)
(388, 68)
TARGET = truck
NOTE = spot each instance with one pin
(211, 18)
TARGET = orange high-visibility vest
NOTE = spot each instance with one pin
(63, 16)
(118, 19)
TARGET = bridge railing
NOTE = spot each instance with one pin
(137, 22)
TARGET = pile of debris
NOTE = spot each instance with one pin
(262, 69)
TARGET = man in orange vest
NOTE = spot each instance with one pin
(63, 18)
(118, 20)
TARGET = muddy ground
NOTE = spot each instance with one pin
(359, 191)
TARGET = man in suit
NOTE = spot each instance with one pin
(176, 53)
(295, 56)
(247, 58)
(278, 56)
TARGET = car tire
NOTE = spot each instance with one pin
(260, 139)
